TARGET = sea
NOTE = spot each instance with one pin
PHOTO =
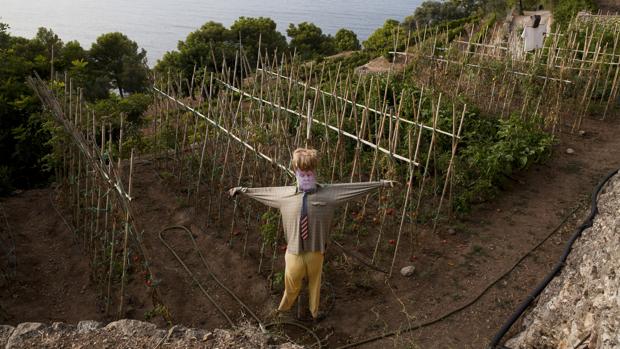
(158, 25)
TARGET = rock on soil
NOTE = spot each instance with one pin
(130, 334)
(581, 307)
(407, 271)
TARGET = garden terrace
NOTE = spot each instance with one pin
(574, 77)
(450, 147)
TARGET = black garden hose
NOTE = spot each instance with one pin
(515, 316)
(263, 326)
(540, 287)
(497, 338)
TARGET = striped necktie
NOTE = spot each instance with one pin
(303, 222)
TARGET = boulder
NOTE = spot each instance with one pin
(130, 327)
(23, 332)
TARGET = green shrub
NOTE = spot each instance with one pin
(565, 10)
(492, 151)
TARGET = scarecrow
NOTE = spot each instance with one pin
(307, 212)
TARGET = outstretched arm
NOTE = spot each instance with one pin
(343, 192)
(270, 196)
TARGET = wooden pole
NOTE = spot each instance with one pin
(125, 245)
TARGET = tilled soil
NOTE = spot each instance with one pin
(52, 281)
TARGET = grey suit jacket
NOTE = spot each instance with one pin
(321, 206)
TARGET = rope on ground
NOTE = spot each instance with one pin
(263, 326)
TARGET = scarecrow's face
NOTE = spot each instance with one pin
(306, 180)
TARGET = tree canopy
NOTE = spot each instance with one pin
(383, 39)
(114, 61)
(213, 43)
(117, 57)
(434, 12)
(249, 30)
(309, 41)
(346, 40)
(22, 137)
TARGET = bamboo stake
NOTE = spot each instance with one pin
(204, 143)
(428, 157)
(236, 201)
(125, 246)
(449, 170)
(112, 244)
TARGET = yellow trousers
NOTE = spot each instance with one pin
(298, 266)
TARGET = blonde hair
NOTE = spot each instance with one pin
(305, 159)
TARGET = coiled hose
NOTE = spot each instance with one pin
(263, 326)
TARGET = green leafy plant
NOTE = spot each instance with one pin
(278, 280)
(493, 150)
(159, 310)
(269, 226)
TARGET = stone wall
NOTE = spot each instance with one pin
(129, 334)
